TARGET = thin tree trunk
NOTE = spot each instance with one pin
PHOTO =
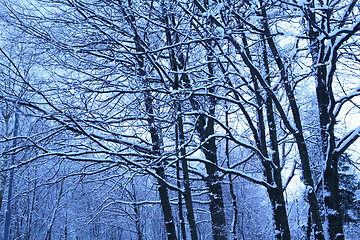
(187, 193)
(137, 213)
(159, 169)
(180, 137)
(179, 180)
(7, 222)
(279, 208)
(298, 132)
(3, 163)
(231, 184)
(32, 206)
(137, 222)
(3, 175)
(154, 133)
(180, 202)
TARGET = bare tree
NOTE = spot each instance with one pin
(176, 90)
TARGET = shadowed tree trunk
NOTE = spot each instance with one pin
(324, 53)
(179, 65)
(278, 201)
(206, 129)
(154, 134)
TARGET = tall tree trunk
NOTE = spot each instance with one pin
(231, 183)
(205, 128)
(187, 193)
(321, 57)
(32, 202)
(160, 171)
(139, 233)
(7, 221)
(154, 131)
(331, 177)
(214, 184)
(175, 66)
(272, 170)
(6, 115)
(180, 199)
(279, 208)
(298, 131)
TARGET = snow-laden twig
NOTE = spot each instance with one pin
(347, 140)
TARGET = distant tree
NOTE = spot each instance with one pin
(349, 188)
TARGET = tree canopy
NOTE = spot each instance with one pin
(179, 119)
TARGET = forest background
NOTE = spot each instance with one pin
(179, 119)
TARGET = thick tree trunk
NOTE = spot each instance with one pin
(332, 201)
(216, 197)
(331, 196)
(321, 56)
(327, 123)
(206, 129)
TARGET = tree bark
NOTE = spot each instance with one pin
(175, 66)
(297, 132)
(154, 134)
(206, 129)
(279, 208)
(321, 57)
